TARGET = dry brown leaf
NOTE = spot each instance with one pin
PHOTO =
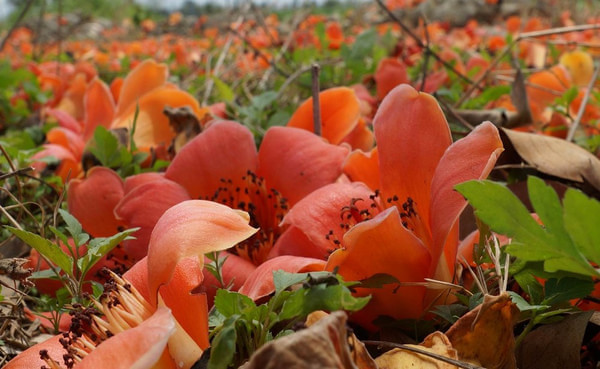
(436, 343)
(484, 336)
(322, 345)
(554, 156)
(555, 345)
(184, 123)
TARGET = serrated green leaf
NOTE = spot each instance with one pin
(104, 146)
(450, 313)
(223, 345)
(50, 250)
(283, 280)
(582, 220)
(547, 206)
(98, 247)
(530, 285)
(74, 228)
(363, 45)
(230, 303)
(225, 92)
(565, 289)
(523, 305)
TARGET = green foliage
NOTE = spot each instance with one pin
(240, 327)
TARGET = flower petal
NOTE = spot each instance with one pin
(224, 151)
(93, 199)
(260, 282)
(147, 76)
(383, 245)
(30, 358)
(340, 110)
(68, 139)
(471, 157)
(320, 213)
(136, 180)
(296, 162)
(412, 135)
(141, 207)
(363, 167)
(390, 73)
(192, 228)
(136, 348)
(99, 107)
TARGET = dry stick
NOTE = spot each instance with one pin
(508, 48)
(16, 24)
(424, 46)
(583, 105)
(426, 60)
(209, 81)
(316, 103)
(458, 363)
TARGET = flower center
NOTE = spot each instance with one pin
(266, 208)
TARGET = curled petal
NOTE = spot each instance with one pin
(68, 139)
(471, 157)
(93, 199)
(390, 73)
(296, 162)
(136, 348)
(363, 167)
(361, 137)
(136, 180)
(224, 151)
(340, 111)
(192, 228)
(383, 245)
(260, 282)
(147, 76)
(69, 166)
(99, 107)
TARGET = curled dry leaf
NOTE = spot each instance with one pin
(484, 336)
(436, 343)
(15, 270)
(554, 156)
(184, 123)
(323, 345)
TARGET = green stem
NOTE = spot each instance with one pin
(527, 329)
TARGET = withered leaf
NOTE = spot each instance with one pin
(15, 270)
(555, 156)
(323, 345)
(555, 345)
(436, 343)
(484, 336)
(184, 123)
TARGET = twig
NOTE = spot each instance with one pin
(426, 59)
(423, 45)
(259, 52)
(316, 103)
(458, 363)
(16, 24)
(215, 72)
(584, 102)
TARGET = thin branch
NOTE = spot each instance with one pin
(16, 24)
(316, 103)
(583, 105)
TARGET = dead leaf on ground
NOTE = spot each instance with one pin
(436, 343)
(554, 156)
(184, 123)
(554, 345)
(484, 336)
(323, 345)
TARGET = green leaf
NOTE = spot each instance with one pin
(74, 228)
(230, 303)
(523, 305)
(530, 285)
(105, 146)
(48, 249)
(363, 45)
(223, 345)
(283, 280)
(450, 313)
(98, 247)
(565, 289)
(582, 220)
(225, 92)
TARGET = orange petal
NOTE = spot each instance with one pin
(412, 135)
(138, 347)
(69, 166)
(72, 100)
(147, 76)
(30, 358)
(136, 180)
(260, 282)
(383, 245)
(152, 126)
(140, 207)
(65, 120)
(192, 228)
(224, 151)
(390, 73)
(321, 212)
(234, 273)
(115, 88)
(296, 162)
(137, 275)
(99, 107)
(363, 167)
(340, 110)
(471, 157)
(361, 137)
(295, 242)
(68, 139)
(93, 199)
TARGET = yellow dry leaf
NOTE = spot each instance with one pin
(580, 65)
(436, 343)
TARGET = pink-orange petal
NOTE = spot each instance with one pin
(93, 199)
(136, 348)
(296, 162)
(99, 107)
(361, 137)
(412, 135)
(471, 157)
(143, 206)
(363, 167)
(65, 120)
(30, 358)
(260, 282)
(68, 139)
(136, 180)
(295, 242)
(390, 73)
(383, 245)
(340, 110)
(224, 151)
(321, 212)
(192, 228)
(145, 77)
